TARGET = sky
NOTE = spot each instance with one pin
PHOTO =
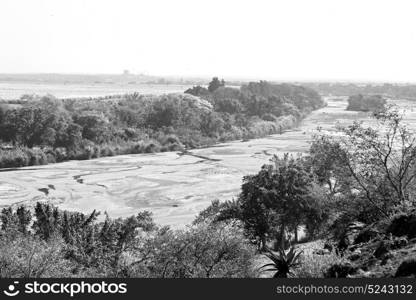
(357, 40)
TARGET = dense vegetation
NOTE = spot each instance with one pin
(355, 189)
(40, 130)
(366, 102)
(361, 180)
(395, 91)
(69, 244)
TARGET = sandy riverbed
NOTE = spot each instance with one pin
(174, 187)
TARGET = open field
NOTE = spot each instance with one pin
(175, 187)
(13, 90)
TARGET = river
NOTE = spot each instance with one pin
(175, 187)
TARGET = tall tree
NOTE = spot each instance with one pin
(276, 198)
(375, 162)
(215, 84)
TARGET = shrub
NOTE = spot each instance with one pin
(202, 251)
(406, 268)
(340, 270)
(269, 117)
(17, 157)
(403, 224)
(366, 103)
(27, 256)
(60, 154)
(152, 146)
(37, 157)
(314, 265)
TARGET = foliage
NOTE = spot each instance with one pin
(197, 91)
(27, 256)
(315, 265)
(275, 198)
(282, 262)
(61, 243)
(44, 130)
(203, 251)
(370, 166)
(366, 103)
(215, 84)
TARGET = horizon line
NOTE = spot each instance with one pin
(208, 77)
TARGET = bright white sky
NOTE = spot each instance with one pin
(289, 40)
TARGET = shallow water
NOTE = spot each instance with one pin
(174, 187)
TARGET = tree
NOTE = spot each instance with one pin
(24, 216)
(42, 123)
(47, 220)
(8, 219)
(197, 91)
(94, 127)
(27, 256)
(203, 251)
(374, 163)
(228, 105)
(18, 220)
(219, 212)
(215, 84)
(211, 124)
(119, 236)
(275, 198)
(366, 102)
(73, 136)
(326, 159)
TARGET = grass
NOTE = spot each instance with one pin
(314, 265)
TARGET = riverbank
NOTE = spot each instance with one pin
(43, 130)
(174, 187)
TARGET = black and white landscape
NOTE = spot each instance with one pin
(176, 139)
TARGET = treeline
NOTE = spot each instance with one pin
(398, 91)
(47, 130)
(366, 102)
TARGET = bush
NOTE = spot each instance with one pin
(26, 256)
(366, 103)
(203, 251)
(403, 225)
(406, 268)
(37, 157)
(269, 117)
(340, 270)
(315, 266)
(152, 147)
(17, 157)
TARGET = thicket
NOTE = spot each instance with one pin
(366, 102)
(43, 130)
(48, 242)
